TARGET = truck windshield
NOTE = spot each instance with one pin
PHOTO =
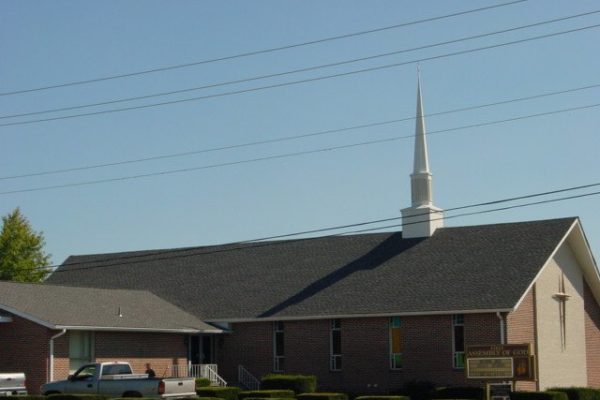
(85, 373)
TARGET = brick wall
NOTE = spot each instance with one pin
(24, 348)
(521, 328)
(427, 350)
(592, 337)
(161, 350)
(251, 345)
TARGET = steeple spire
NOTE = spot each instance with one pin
(422, 218)
(421, 162)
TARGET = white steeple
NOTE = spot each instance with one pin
(422, 218)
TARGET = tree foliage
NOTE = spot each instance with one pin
(22, 257)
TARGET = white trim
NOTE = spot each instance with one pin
(133, 329)
(27, 316)
(564, 238)
(343, 316)
(50, 325)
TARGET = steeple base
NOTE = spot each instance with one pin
(421, 221)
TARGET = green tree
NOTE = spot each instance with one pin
(22, 257)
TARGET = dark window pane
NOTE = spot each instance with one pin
(279, 344)
(336, 342)
(459, 338)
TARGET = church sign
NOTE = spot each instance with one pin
(506, 361)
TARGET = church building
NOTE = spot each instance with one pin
(367, 313)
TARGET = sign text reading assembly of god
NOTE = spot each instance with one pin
(508, 361)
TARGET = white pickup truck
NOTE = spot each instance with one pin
(116, 379)
(12, 384)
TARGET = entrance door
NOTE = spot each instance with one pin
(203, 349)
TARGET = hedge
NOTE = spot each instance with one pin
(227, 393)
(86, 396)
(202, 382)
(538, 396)
(136, 398)
(267, 398)
(460, 392)
(297, 383)
(28, 397)
(204, 398)
(382, 398)
(274, 393)
(579, 393)
(322, 396)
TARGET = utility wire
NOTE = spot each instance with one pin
(294, 137)
(264, 241)
(264, 51)
(295, 71)
(475, 213)
(287, 155)
(315, 79)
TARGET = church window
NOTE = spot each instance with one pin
(335, 346)
(278, 347)
(458, 341)
(395, 343)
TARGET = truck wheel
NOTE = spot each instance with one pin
(132, 394)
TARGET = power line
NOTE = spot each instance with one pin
(315, 79)
(260, 242)
(295, 71)
(287, 155)
(264, 51)
(480, 212)
(295, 137)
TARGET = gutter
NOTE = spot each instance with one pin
(51, 367)
(501, 318)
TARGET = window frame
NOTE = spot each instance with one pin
(458, 356)
(80, 339)
(335, 359)
(393, 363)
(278, 334)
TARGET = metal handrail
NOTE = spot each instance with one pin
(247, 379)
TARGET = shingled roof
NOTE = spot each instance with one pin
(462, 269)
(59, 307)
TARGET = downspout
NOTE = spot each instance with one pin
(51, 369)
(501, 318)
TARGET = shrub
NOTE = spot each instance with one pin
(322, 396)
(418, 390)
(206, 398)
(227, 393)
(297, 383)
(267, 398)
(64, 396)
(274, 393)
(579, 393)
(29, 397)
(202, 382)
(382, 398)
(538, 396)
(460, 392)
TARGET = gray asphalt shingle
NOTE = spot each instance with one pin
(66, 306)
(469, 268)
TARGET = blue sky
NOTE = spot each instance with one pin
(48, 43)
